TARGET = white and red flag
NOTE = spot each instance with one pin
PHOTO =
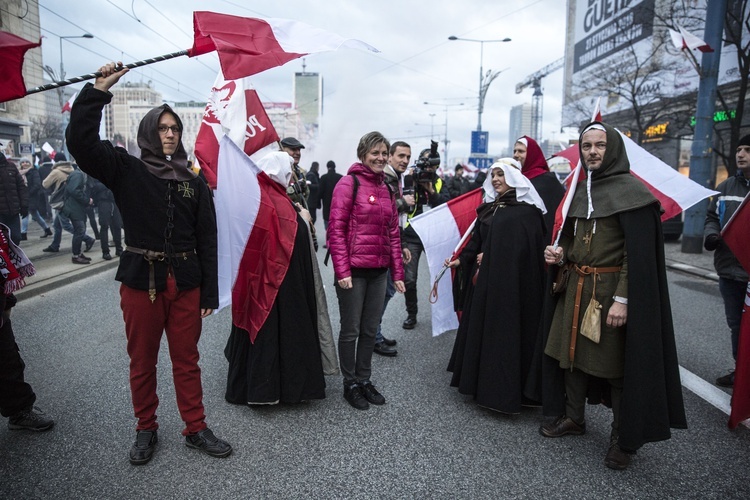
(735, 234)
(247, 45)
(675, 192)
(256, 229)
(686, 40)
(234, 110)
(69, 105)
(440, 230)
(741, 392)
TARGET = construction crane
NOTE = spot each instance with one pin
(535, 80)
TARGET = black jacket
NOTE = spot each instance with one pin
(14, 197)
(37, 195)
(143, 200)
(325, 190)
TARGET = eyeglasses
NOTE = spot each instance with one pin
(174, 128)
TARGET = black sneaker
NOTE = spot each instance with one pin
(51, 249)
(143, 448)
(353, 395)
(726, 381)
(209, 444)
(31, 419)
(371, 394)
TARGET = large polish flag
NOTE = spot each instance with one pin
(675, 192)
(256, 228)
(234, 110)
(247, 45)
(69, 105)
(741, 392)
(440, 230)
(12, 51)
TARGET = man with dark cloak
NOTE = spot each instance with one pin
(612, 245)
(168, 271)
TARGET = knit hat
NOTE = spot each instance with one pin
(60, 157)
(745, 141)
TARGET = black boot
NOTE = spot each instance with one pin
(47, 232)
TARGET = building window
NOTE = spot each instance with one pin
(2, 107)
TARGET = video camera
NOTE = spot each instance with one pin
(424, 167)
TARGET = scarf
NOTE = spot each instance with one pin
(14, 265)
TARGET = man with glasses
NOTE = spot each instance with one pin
(168, 272)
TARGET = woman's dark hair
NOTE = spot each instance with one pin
(369, 141)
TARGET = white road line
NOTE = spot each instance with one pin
(708, 392)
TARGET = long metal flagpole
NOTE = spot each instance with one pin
(91, 76)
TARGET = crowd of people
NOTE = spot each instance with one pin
(585, 319)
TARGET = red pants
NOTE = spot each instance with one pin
(177, 313)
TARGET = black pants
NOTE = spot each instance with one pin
(411, 274)
(15, 394)
(109, 219)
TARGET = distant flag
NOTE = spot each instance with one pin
(233, 109)
(247, 45)
(440, 230)
(256, 230)
(69, 105)
(686, 40)
(12, 50)
(47, 148)
(596, 116)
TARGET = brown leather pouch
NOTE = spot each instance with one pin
(561, 280)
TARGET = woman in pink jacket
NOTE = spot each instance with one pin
(364, 242)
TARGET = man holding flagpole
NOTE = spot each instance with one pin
(732, 277)
(168, 272)
(611, 331)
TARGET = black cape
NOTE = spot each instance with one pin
(652, 392)
(284, 363)
(495, 342)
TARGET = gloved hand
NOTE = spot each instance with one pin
(712, 242)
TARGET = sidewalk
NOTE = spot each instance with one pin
(54, 270)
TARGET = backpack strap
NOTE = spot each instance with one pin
(355, 188)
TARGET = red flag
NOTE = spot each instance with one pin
(440, 230)
(735, 236)
(741, 392)
(256, 225)
(233, 109)
(247, 45)
(12, 50)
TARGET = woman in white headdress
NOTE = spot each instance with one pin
(492, 354)
(284, 363)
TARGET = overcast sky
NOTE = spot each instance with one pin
(362, 91)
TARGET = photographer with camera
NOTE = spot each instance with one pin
(423, 183)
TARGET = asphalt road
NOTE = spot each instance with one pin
(428, 441)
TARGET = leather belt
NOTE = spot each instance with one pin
(153, 256)
(582, 272)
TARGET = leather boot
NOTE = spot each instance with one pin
(47, 232)
(616, 458)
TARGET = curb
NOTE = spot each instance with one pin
(695, 271)
(44, 286)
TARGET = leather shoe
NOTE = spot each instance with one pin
(371, 394)
(562, 426)
(384, 350)
(106, 256)
(209, 444)
(410, 323)
(50, 249)
(390, 342)
(726, 380)
(80, 259)
(616, 458)
(353, 395)
(143, 448)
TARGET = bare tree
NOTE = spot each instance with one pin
(46, 128)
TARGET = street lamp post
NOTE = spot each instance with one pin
(484, 80)
(445, 139)
(60, 90)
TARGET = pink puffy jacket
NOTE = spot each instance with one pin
(364, 234)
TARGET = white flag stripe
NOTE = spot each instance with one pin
(237, 202)
(439, 234)
(301, 38)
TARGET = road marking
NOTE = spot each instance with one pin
(708, 392)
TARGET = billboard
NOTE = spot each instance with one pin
(607, 33)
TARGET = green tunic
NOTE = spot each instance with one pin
(596, 243)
